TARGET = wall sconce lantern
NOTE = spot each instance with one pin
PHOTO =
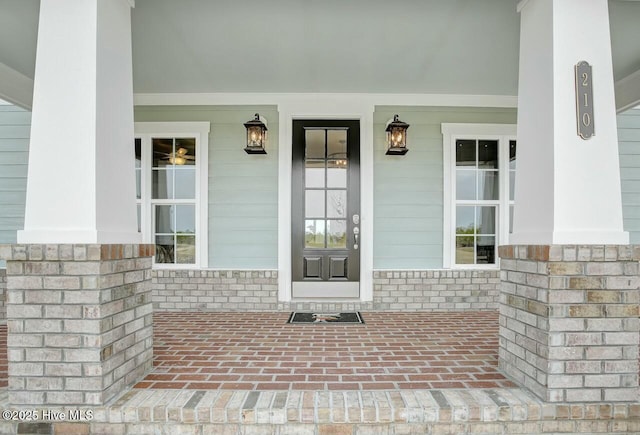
(256, 136)
(396, 137)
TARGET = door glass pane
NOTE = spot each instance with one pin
(465, 249)
(185, 218)
(314, 203)
(337, 173)
(314, 173)
(486, 220)
(485, 250)
(465, 152)
(488, 186)
(162, 183)
(314, 140)
(185, 152)
(488, 154)
(336, 203)
(162, 150)
(185, 249)
(465, 184)
(164, 249)
(465, 220)
(165, 223)
(337, 234)
(337, 144)
(185, 186)
(314, 233)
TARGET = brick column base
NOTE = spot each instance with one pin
(569, 327)
(79, 321)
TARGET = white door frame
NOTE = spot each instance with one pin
(325, 107)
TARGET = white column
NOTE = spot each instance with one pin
(81, 186)
(567, 188)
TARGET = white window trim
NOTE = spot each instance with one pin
(199, 130)
(450, 133)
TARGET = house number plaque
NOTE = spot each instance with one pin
(584, 100)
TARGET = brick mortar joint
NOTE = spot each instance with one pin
(571, 253)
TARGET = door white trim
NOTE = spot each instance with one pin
(325, 107)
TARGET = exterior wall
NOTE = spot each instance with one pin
(629, 143)
(236, 290)
(243, 189)
(3, 290)
(15, 124)
(408, 190)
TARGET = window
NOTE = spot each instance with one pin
(171, 187)
(479, 170)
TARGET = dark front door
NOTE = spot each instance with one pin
(326, 209)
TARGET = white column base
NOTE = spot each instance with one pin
(62, 237)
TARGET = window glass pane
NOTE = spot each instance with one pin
(512, 184)
(162, 150)
(314, 233)
(464, 250)
(185, 219)
(185, 186)
(138, 183)
(465, 220)
(488, 154)
(162, 183)
(512, 154)
(337, 144)
(164, 249)
(314, 203)
(139, 213)
(485, 250)
(185, 152)
(314, 140)
(314, 173)
(337, 173)
(138, 152)
(165, 219)
(488, 186)
(465, 152)
(465, 184)
(486, 220)
(510, 219)
(185, 249)
(337, 234)
(336, 203)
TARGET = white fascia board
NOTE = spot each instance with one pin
(224, 99)
(15, 88)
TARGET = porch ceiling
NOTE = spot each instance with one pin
(412, 46)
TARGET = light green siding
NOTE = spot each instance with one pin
(629, 143)
(243, 188)
(15, 124)
(408, 190)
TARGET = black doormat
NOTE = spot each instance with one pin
(353, 317)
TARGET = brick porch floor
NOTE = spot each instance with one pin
(260, 351)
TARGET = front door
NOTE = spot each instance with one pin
(326, 209)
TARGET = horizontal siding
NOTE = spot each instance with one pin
(629, 140)
(15, 125)
(408, 190)
(243, 189)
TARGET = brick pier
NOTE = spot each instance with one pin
(79, 321)
(569, 327)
